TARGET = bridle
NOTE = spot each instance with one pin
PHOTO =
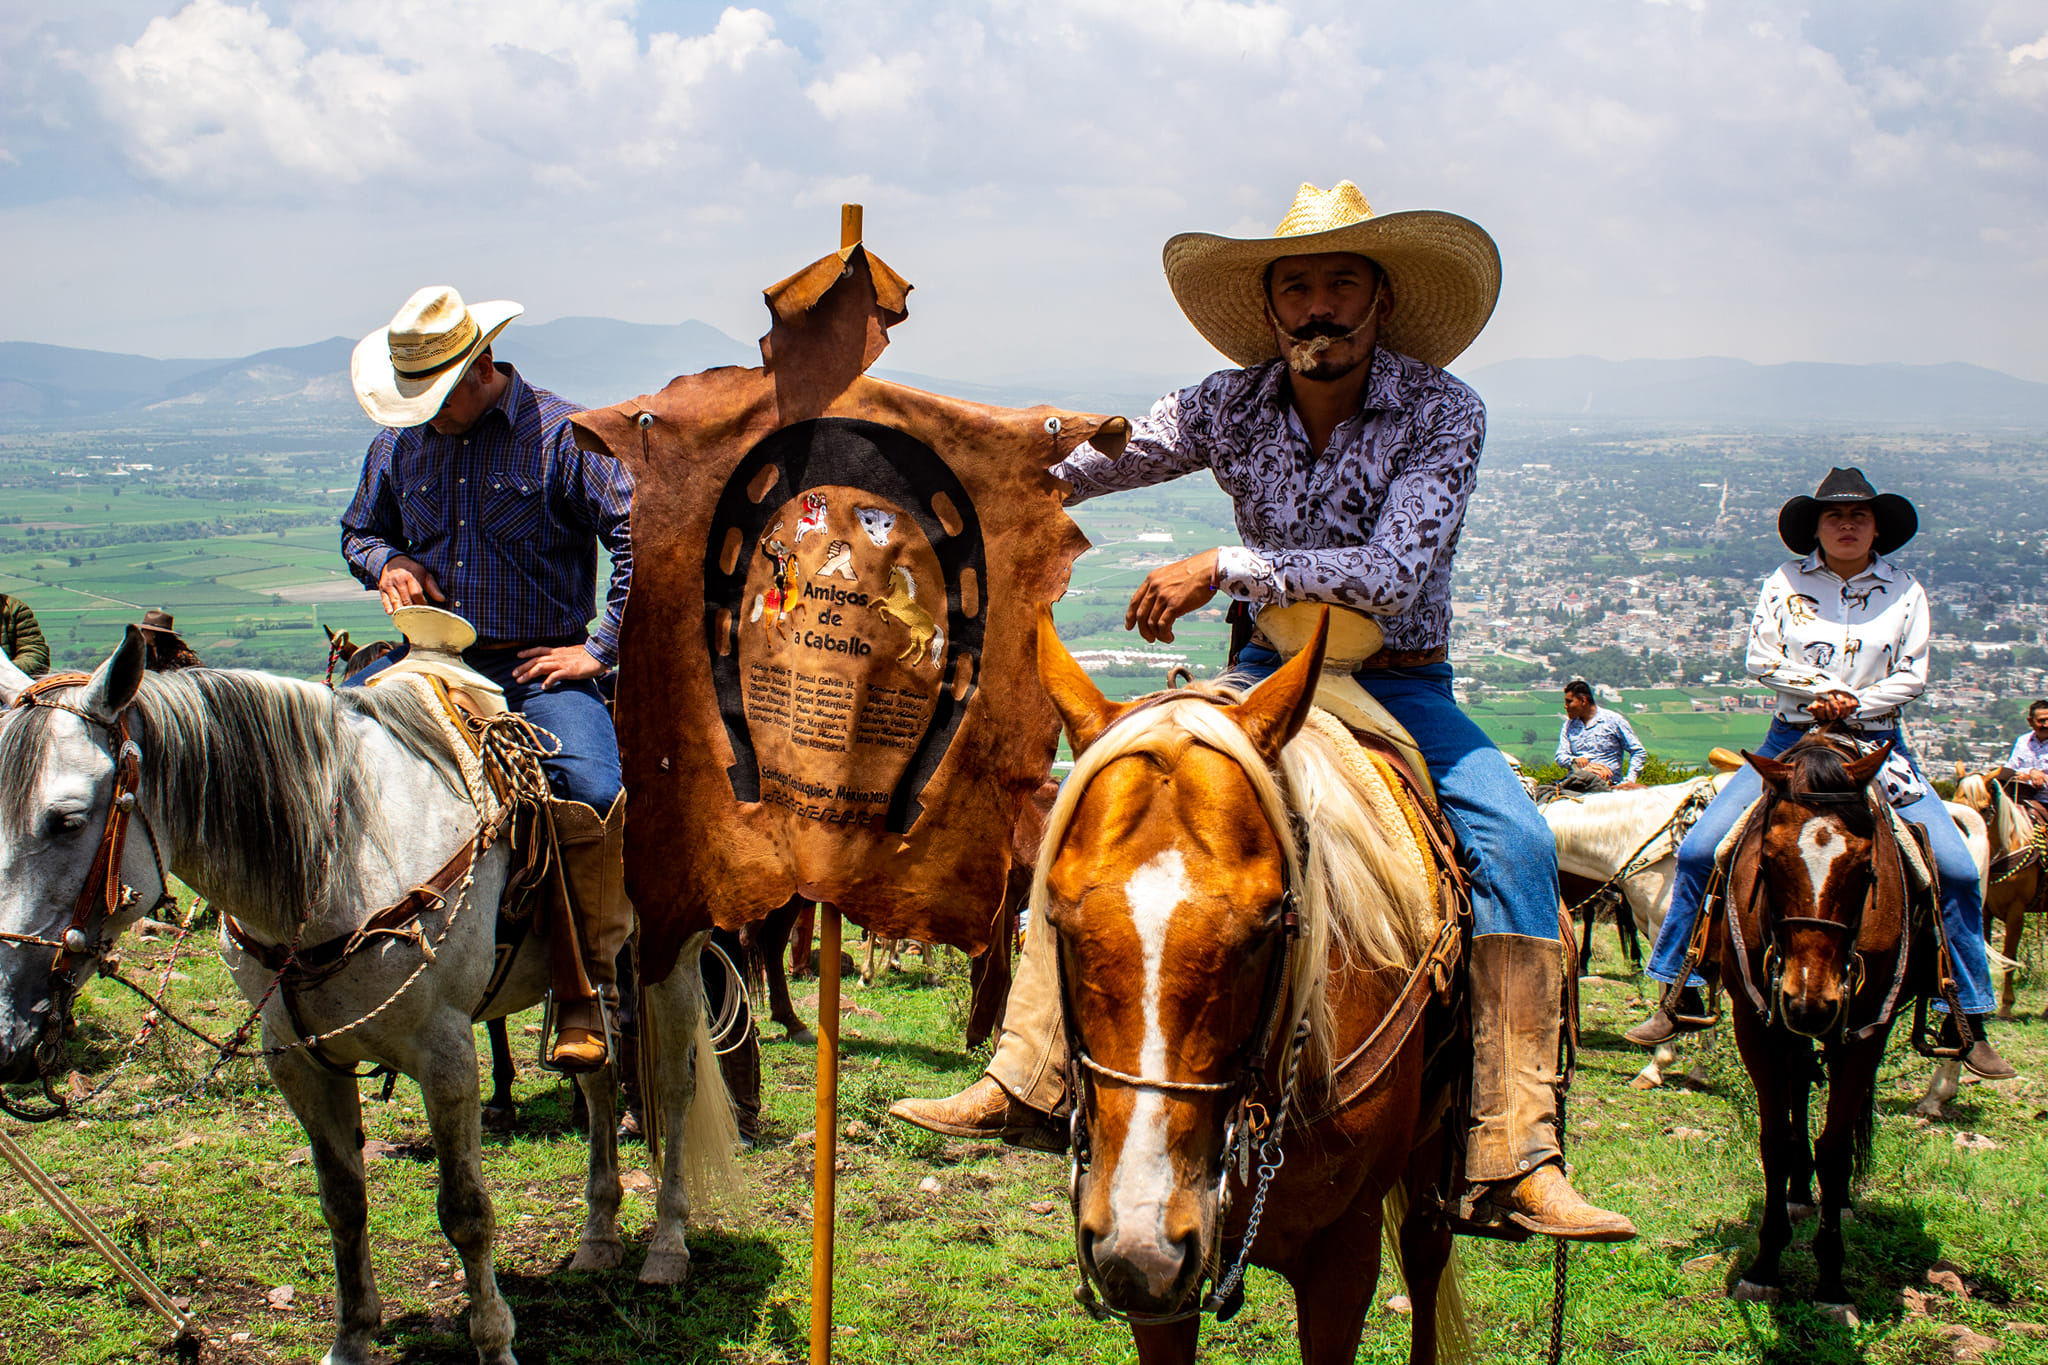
(1771, 924)
(1250, 1123)
(81, 945)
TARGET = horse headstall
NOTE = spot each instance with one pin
(82, 943)
(1770, 925)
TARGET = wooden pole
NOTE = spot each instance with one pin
(824, 1182)
(824, 1171)
(152, 1294)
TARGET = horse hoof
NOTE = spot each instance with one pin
(800, 1034)
(1929, 1109)
(665, 1267)
(1665, 1054)
(500, 1118)
(2005, 1016)
(606, 1255)
(1841, 1314)
(1747, 1291)
(1649, 1078)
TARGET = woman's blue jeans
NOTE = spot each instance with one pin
(587, 769)
(1962, 899)
(1507, 847)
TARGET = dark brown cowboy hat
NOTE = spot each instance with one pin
(1799, 519)
(158, 620)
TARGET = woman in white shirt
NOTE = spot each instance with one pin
(1841, 633)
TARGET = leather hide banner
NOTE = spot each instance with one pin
(828, 680)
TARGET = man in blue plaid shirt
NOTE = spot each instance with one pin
(476, 499)
(1598, 747)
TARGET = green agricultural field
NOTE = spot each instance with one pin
(215, 1198)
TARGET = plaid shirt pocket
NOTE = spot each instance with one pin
(512, 507)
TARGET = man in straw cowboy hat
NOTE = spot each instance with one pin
(475, 498)
(1349, 455)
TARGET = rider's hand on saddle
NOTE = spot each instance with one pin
(1602, 771)
(1169, 593)
(1832, 706)
(562, 664)
(406, 582)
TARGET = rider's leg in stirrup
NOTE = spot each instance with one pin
(1024, 1087)
(1517, 963)
(1962, 910)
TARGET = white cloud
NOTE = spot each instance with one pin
(1758, 177)
(217, 98)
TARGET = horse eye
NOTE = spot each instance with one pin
(64, 822)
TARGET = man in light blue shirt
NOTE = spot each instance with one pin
(1597, 746)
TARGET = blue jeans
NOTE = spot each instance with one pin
(1962, 899)
(587, 769)
(1507, 847)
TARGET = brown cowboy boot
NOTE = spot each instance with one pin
(600, 919)
(984, 1110)
(1664, 1023)
(1517, 986)
(1981, 1057)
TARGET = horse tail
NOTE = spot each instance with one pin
(711, 1134)
(1453, 1330)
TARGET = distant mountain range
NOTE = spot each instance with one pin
(600, 360)
(1720, 389)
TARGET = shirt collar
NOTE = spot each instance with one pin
(1879, 567)
(1386, 387)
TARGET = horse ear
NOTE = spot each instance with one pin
(1276, 708)
(1083, 709)
(13, 682)
(1864, 768)
(115, 683)
(1777, 776)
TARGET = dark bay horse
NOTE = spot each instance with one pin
(1212, 973)
(1822, 948)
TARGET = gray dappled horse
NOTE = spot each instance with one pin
(300, 812)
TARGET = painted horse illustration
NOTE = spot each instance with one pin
(337, 833)
(1226, 990)
(900, 603)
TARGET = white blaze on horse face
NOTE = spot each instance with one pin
(1144, 1169)
(1821, 845)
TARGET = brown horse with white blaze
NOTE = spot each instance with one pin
(1211, 974)
(1820, 940)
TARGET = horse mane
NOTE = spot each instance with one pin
(1615, 823)
(1360, 905)
(253, 780)
(2001, 812)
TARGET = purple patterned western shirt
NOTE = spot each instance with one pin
(1371, 523)
(506, 516)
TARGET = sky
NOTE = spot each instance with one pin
(1858, 181)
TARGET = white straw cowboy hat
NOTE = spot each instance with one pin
(1443, 271)
(402, 373)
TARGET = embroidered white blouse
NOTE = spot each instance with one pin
(1814, 633)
